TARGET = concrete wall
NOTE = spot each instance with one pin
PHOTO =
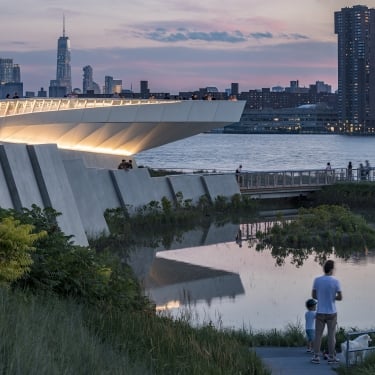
(15, 158)
(45, 176)
(55, 189)
(191, 186)
(85, 194)
(224, 185)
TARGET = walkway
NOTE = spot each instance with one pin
(278, 184)
(292, 361)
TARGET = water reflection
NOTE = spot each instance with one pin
(232, 282)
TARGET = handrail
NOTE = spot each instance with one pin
(11, 107)
(301, 178)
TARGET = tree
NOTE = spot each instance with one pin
(16, 242)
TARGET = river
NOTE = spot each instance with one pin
(260, 152)
(211, 277)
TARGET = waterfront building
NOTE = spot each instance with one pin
(355, 29)
(62, 85)
(265, 98)
(307, 118)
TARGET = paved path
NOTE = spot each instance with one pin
(292, 361)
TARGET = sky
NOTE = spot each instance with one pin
(176, 45)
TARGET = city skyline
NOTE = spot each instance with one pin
(178, 46)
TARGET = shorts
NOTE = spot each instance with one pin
(310, 334)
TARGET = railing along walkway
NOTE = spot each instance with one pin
(279, 182)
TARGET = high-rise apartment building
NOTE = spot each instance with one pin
(10, 79)
(87, 78)
(144, 90)
(62, 85)
(6, 70)
(355, 29)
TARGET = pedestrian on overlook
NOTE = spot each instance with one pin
(350, 171)
(362, 172)
(367, 170)
(238, 173)
(122, 165)
(310, 315)
(327, 290)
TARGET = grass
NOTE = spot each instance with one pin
(47, 335)
(365, 368)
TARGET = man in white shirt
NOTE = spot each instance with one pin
(327, 290)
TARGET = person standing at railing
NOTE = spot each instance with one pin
(238, 173)
(362, 172)
(350, 171)
(328, 172)
(367, 169)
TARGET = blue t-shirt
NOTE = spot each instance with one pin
(326, 287)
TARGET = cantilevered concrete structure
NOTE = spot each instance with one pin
(111, 126)
(42, 163)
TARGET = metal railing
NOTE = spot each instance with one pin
(11, 107)
(304, 178)
(362, 351)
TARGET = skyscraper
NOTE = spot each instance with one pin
(355, 29)
(88, 83)
(10, 79)
(63, 82)
(6, 70)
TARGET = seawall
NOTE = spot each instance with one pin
(49, 177)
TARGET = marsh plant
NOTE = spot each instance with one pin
(321, 232)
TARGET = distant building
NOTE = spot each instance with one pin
(308, 118)
(144, 90)
(88, 83)
(234, 89)
(10, 79)
(16, 73)
(62, 85)
(355, 29)
(29, 94)
(6, 70)
(42, 93)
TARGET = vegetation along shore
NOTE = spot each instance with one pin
(70, 309)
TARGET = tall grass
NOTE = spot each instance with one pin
(173, 347)
(45, 335)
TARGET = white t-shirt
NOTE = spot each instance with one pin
(326, 289)
(310, 319)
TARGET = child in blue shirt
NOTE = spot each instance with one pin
(310, 315)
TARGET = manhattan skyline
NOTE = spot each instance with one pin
(177, 46)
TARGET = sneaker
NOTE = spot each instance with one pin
(333, 360)
(315, 360)
(309, 351)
